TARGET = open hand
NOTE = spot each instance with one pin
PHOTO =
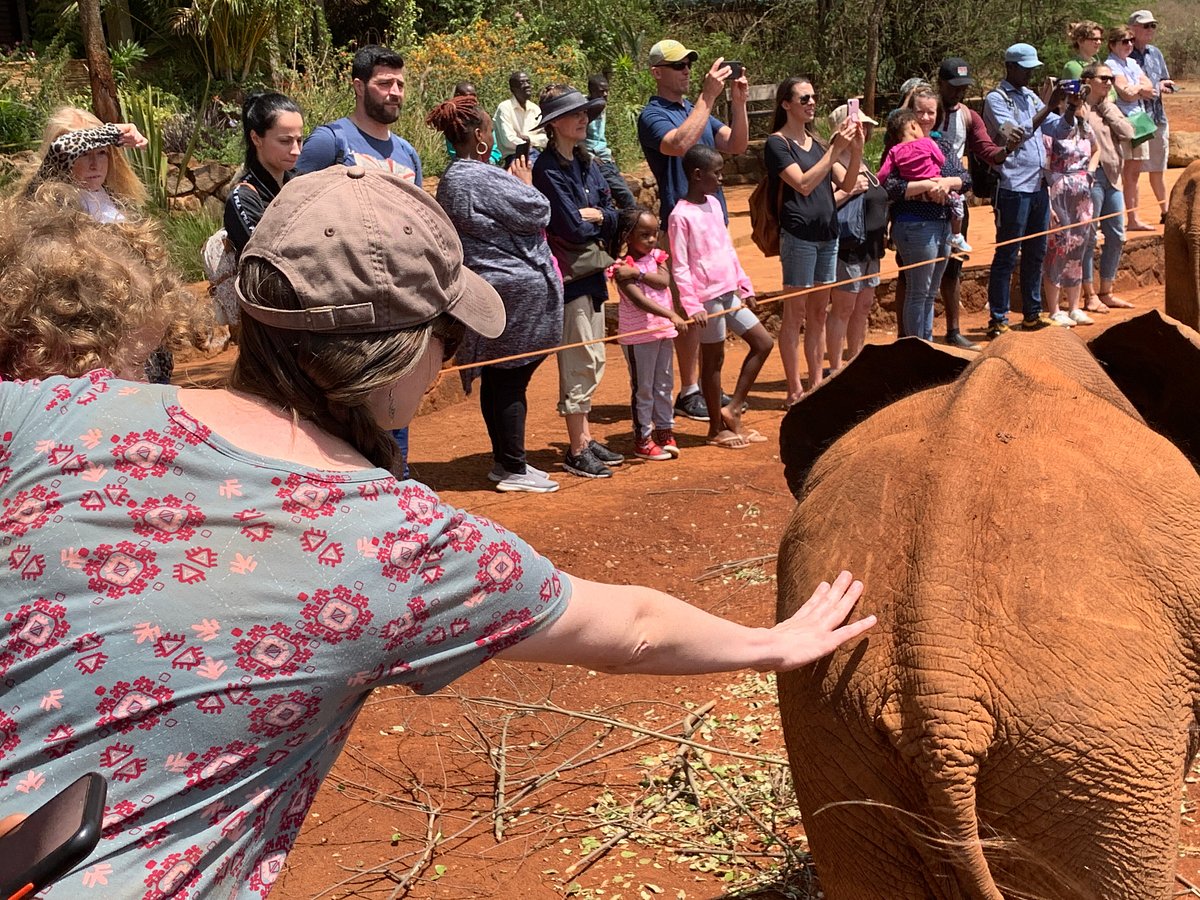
(130, 136)
(816, 628)
(521, 169)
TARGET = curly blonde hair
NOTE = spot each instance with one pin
(122, 182)
(77, 295)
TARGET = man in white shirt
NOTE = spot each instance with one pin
(515, 117)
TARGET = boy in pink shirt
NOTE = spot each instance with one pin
(714, 290)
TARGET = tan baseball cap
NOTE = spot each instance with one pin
(366, 251)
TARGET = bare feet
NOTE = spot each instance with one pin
(731, 417)
(1139, 225)
(1112, 301)
(792, 400)
(1093, 304)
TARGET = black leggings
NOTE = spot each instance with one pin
(502, 402)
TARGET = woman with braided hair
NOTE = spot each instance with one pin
(501, 220)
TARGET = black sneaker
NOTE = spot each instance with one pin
(956, 339)
(692, 407)
(586, 465)
(605, 455)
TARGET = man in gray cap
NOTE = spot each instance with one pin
(1013, 114)
(1144, 27)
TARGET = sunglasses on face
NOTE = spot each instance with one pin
(805, 99)
(677, 66)
(1151, 25)
(1122, 41)
(1107, 79)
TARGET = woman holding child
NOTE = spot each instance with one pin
(808, 241)
(920, 212)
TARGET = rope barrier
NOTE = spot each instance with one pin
(789, 295)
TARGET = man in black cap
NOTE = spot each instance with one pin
(963, 131)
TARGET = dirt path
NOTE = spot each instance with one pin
(415, 790)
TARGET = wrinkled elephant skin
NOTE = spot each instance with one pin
(1181, 248)
(1018, 722)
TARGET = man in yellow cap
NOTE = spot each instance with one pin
(669, 126)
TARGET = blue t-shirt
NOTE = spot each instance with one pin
(342, 141)
(658, 118)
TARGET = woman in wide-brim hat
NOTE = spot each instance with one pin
(582, 214)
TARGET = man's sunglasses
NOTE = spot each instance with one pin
(677, 66)
(1150, 25)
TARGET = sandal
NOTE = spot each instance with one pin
(730, 441)
(1111, 301)
(1093, 304)
(754, 437)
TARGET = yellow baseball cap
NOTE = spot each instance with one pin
(669, 52)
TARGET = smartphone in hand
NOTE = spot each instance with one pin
(852, 110)
(523, 150)
(735, 69)
(54, 839)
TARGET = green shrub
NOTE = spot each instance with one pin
(185, 235)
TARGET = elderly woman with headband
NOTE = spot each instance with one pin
(262, 517)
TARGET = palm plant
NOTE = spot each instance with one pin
(235, 37)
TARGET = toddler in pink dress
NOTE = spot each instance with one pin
(916, 158)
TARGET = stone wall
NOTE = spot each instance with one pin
(202, 185)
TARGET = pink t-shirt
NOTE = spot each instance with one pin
(631, 318)
(704, 263)
(914, 161)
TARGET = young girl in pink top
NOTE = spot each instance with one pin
(915, 157)
(642, 281)
(716, 292)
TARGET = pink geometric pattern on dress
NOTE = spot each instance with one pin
(408, 626)
(29, 510)
(143, 454)
(9, 739)
(420, 505)
(35, 627)
(400, 553)
(168, 519)
(220, 765)
(173, 875)
(142, 703)
(123, 569)
(269, 865)
(186, 428)
(309, 497)
(499, 567)
(337, 615)
(270, 652)
(505, 631)
(463, 536)
(279, 713)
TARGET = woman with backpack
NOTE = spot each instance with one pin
(273, 128)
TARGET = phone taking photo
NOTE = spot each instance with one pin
(735, 69)
(852, 110)
(53, 839)
(522, 150)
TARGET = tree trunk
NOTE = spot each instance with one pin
(118, 21)
(869, 82)
(23, 21)
(105, 104)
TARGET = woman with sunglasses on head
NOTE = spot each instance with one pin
(1086, 37)
(1132, 86)
(224, 576)
(800, 172)
(1112, 130)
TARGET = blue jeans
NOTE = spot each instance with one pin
(622, 195)
(400, 436)
(1017, 214)
(917, 242)
(1106, 200)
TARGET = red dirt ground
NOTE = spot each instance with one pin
(423, 771)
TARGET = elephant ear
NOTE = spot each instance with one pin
(880, 375)
(1155, 361)
(1181, 248)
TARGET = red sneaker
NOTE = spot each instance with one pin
(646, 448)
(665, 438)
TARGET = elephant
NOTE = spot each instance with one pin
(1027, 529)
(1181, 248)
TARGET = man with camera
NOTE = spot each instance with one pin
(1144, 27)
(669, 126)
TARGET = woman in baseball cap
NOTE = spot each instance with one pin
(224, 576)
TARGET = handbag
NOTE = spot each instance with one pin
(220, 263)
(852, 225)
(1143, 126)
(578, 261)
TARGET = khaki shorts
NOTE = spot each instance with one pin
(1131, 153)
(580, 368)
(1156, 148)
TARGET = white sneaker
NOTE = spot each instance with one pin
(499, 473)
(531, 482)
(1079, 317)
(1061, 318)
(959, 243)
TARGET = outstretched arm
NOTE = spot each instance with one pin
(625, 629)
